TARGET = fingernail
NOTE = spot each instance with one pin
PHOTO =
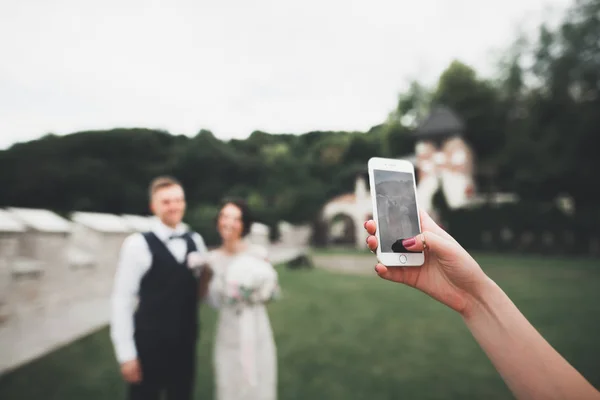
(409, 242)
(365, 225)
(375, 267)
(367, 240)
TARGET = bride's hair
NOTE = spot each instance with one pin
(247, 218)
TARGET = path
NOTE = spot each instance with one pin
(348, 263)
(31, 336)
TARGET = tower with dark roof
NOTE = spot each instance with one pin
(443, 159)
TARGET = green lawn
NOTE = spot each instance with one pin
(345, 250)
(358, 337)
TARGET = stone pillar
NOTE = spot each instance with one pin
(8, 250)
(360, 234)
(259, 234)
(4, 288)
(360, 188)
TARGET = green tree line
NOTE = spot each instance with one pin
(535, 128)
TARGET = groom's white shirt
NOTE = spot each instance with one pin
(134, 261)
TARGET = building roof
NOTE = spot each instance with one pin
(106, 223)
(41, 220)
(8, 223)
(138, 223)
(442, 121)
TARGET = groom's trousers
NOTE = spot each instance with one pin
(167, 367)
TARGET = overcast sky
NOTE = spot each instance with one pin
(235, 66)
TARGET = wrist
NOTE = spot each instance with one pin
(482, 297)
(126, 354)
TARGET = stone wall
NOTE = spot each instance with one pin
(55, 287)
(8, 251)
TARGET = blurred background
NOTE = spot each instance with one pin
(496, 103)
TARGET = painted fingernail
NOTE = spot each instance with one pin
(409, 242)
(365, 225)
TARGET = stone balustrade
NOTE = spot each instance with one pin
(56, 276)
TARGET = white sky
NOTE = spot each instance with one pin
(283, 66)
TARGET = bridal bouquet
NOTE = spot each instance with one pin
(249, 280)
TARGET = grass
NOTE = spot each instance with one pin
(345, 250)
(358, 337)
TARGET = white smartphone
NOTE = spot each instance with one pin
(395, 210)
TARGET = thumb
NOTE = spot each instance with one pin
(429, 242)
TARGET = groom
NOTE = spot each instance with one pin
(155, 342)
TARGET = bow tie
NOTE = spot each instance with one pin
(177, 236)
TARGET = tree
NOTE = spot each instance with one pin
(477, 102)
(553, 125)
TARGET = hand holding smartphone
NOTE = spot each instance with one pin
(395, 210)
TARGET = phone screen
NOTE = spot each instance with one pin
(397, 217)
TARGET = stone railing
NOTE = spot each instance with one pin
(55, 286)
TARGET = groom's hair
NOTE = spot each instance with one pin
(162, 182)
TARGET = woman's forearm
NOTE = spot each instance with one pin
(531, 368)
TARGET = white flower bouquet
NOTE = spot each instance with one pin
(250, 280)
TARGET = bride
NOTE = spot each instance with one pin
(245, 358)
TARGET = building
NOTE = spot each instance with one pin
(443, 160)
(346, 215)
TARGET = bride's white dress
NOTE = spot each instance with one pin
(245, 357)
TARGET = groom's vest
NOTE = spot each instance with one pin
(168, 295)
